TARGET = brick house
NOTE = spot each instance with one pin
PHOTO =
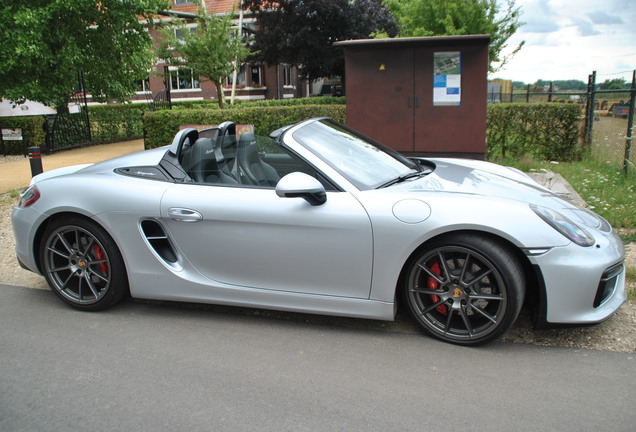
(255, 80)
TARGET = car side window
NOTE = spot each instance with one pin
(246, 161)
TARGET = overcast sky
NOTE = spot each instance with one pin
(568, 39)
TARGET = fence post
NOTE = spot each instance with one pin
(550, 92)
(528, 94)
(589, 109)
(80, 78)
(630, 124)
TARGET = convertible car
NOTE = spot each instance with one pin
(317, 218)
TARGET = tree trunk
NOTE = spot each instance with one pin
(220, 94)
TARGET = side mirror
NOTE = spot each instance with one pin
(301, 185)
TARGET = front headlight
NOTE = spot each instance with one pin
(564, 225)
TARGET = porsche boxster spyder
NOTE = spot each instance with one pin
(318, 218)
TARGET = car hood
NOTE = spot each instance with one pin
(485, 179)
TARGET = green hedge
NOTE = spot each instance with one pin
(161, 126)
(213, 104)
(32, 133)
(545, 131)
(116, 122)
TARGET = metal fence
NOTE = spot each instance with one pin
(72, 128)
(608, 116)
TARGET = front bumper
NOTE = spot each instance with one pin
(582, 285)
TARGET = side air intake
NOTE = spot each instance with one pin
(159, 241)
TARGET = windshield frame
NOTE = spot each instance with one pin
(364, 162)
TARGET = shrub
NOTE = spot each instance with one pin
(160, 126)
(32, 133)
(116, 122)
(545, 131)
(212, 104)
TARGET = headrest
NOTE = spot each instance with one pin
(247, 138)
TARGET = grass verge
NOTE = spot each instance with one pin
(605, 188)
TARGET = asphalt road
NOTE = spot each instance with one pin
(166, 367)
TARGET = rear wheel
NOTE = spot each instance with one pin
(82, 264)
(464, 289)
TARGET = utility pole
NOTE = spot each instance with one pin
(630, 123)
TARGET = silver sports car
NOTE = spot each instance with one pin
(319, 219)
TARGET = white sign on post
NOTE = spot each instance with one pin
(12, 134)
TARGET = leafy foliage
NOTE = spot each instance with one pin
(614, 84)
(302, 33)
(546, 131)
(46, 42)
(461, 17)
(562, 84)
(208, 104)
(111, 123)
(211, 50)
(32, 133)
(160, 126)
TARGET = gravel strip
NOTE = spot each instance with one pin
(616, 334)
(10, 158)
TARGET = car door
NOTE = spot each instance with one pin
(250, 237)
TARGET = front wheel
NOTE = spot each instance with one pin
(82, 264)
(464, 289)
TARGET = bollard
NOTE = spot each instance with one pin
(35, 158)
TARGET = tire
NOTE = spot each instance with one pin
(82, 264)
(464, 289)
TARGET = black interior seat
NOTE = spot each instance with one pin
(251, 165)
(205, 167)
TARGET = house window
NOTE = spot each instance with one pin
(179, 32)
(240, 77)
(183, 2)
(184, 79)
(256, 76)
(287, 76)
(143, 86)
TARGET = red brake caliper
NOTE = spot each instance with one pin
(99, 255)
(433, 285)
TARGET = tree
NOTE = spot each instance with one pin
(614, 84)
(518, 85)
(571, 84)
(211, 50)
(461, 17)
(46, 42)
(302, 33)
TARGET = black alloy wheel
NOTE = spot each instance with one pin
(82, 264)
(464, 289)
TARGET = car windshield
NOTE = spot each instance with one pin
(366, 164)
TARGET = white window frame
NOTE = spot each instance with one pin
(145, 86)
(288, 81)
(176, 70)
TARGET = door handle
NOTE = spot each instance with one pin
(417, 101)
(410, 101)
(184, 215)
